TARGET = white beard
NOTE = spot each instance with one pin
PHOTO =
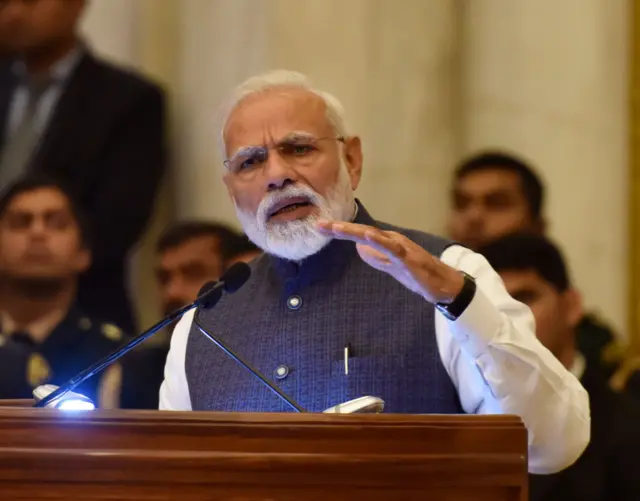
(299, 239)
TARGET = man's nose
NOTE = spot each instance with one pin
(279, 173)
(38, 228)
(173, 291)
(475, 214)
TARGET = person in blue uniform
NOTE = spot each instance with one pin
(44, 336)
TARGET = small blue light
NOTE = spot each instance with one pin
(69, 401)
(76, 405)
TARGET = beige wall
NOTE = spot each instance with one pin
(549, 79)
(395, 71)
(111, 27)
(217, 50)
(423, 81)
(408, 125)
(634, 178)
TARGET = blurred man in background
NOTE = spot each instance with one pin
(240, 249)
(496, 194)
(44, 248)
(97, 127)
(534, 273)
(190, 254)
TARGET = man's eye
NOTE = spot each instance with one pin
(253, 160)
(296, 149)
(301, 149)
(249, 162)
(461, 202)
(19, 221)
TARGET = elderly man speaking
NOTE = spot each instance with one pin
(341, 305)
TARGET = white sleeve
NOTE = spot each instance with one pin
(499, 367)
(174, 391)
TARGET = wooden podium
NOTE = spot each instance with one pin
(186, 456)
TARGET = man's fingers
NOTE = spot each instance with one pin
(366, 235)
(368, 252)
(374, 258)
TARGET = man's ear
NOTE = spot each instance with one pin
(225, 180)
(353, 159)
(573, 305)
(84, 260)
(228, 181)
(540, 226)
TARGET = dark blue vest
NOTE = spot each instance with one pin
(292, 322)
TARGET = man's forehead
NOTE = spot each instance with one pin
(489, 180)
(273, 115)
(39, 194)
(196, 244)
(201, 247)
(179, 260)
(519, 279)
(38, 207)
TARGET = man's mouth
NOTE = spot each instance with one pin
(289, 205)
(38, 254)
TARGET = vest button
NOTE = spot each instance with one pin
(281, 372)
(294, 302)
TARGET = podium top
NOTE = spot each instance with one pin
(289, 455)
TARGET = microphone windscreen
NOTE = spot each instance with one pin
(236, 276)
(206, 288)
(209, 295)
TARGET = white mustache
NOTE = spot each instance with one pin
(275, 197)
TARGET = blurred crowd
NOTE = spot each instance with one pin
(82, 154)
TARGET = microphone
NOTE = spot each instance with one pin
(210, 294)
(362, 405)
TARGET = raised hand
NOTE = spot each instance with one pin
(403, 259)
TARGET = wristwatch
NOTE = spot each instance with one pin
(455, 308)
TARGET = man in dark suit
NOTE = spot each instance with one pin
(97, 127)
(45, 337)
(534, 273)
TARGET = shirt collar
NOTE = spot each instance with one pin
(60, 71)
(355, 212)
(39, 329)
(578, 366)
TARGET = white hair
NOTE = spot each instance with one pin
(280, 79)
